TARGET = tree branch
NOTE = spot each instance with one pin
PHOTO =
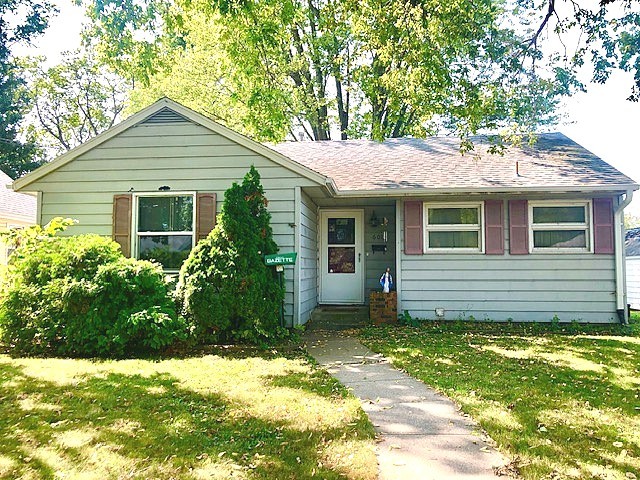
(533, 41)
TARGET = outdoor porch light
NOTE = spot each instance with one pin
(373, 221)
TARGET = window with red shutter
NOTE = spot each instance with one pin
(518, 227)
(560, 226)
(453, 227)
(494, 227)
(413, 228)
(121, 222)
(603, 239)
(167, 224)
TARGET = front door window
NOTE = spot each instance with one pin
(341, 244)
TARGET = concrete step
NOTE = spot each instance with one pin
(339, 317)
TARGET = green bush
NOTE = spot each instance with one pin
(125, 308)
(79, 296)
(225, 290)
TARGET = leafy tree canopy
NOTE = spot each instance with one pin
(73, 101)
(606, 35)
(363, 68)
(20, 22)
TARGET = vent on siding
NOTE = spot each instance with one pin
(166, 115)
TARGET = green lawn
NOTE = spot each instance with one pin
(213, 417)
(562, 405)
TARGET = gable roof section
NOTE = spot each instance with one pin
(13, 205)
(405, 166)
(163, 111)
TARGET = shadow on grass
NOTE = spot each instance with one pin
(317, 383)
(114, 425)
(567, 405)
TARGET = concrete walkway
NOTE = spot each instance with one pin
(422, 433)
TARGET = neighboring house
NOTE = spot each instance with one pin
(632, 252)
(16, 210)
(531, 235)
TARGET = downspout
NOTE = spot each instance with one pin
(618, 229)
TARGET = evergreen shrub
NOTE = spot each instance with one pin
(225, 291)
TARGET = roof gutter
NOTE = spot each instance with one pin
(331, 186)
(618, 230)
(421, 192)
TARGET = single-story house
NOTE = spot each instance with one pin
(530, 235)
(632, 252)
(17, 210)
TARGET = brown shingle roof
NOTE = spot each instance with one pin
(401, 164)
(15, 205)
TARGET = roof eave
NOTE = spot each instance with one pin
(195, 117)
(420, 192)
(67, 157)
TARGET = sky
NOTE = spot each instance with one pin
(601, 120)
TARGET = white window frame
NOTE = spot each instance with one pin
(135, 215)
(587, 226)
(453, 227)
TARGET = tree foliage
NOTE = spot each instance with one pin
(369, 68)
(73, 101)
(631, 221)
(225, 290)
(606, 35)
(20, 22)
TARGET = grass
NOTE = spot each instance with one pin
(562, 401)
(212, 416)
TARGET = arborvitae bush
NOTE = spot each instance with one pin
(225, 291)
(78, 296)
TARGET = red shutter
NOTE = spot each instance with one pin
(603, 225)
(494, 227)
(205, 214)
(413, 228)
(121, 222)
(518, 227)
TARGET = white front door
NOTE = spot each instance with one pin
(341, 262)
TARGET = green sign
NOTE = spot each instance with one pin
(281, 259)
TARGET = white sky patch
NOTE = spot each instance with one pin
(62, 35)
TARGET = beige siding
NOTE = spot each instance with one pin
(3, 246)
(181, 155)
(4, 224)
(501, 287)
(633, 282)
